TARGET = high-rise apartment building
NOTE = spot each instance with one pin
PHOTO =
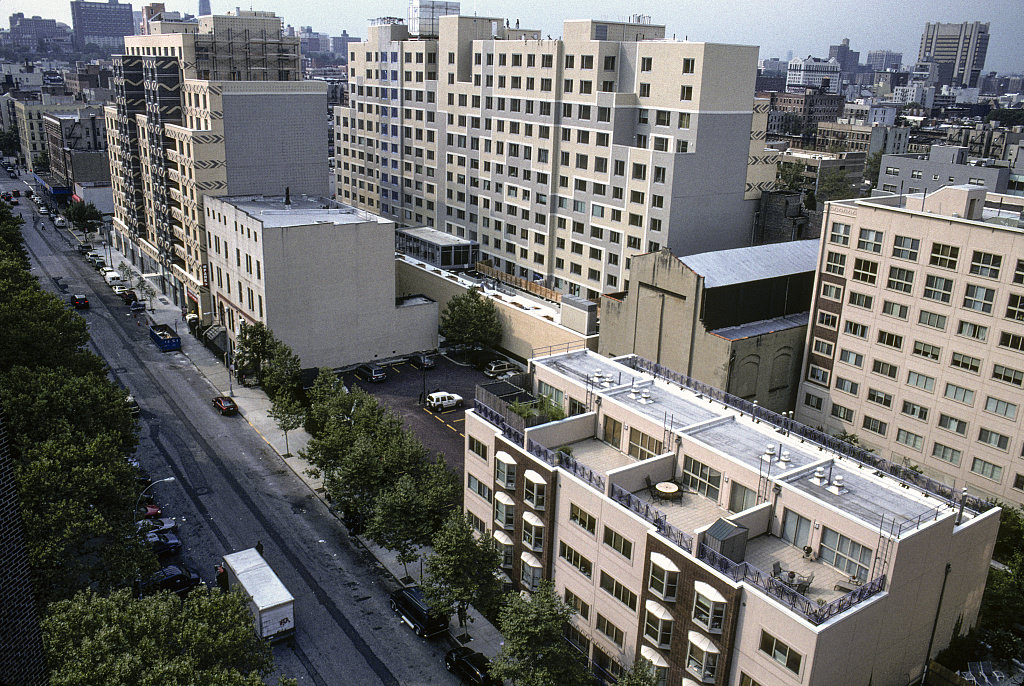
(957, 52)
(848, 59)
(101, 23)
(883, 60)
(814, 72)
(916, 338)
(724, 543)
(562, 157)
(208, 107)
(204, 8)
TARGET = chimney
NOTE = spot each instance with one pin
(287, 195)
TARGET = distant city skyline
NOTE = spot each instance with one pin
(807, 27)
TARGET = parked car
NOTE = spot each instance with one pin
(163, 545)
(225, 405)
(59, 221)
(412, 606)
(442, 400)
(499, 367)
(84, 248)
(14, 201)
(133, 406)
(129, 296)
(80, 302)
(422, 361)
(175, 578)
(470, 666)
(16, 192)
(158, 525)
(43, 211)
(371, 372)
(149, 511)
(137, 306)
(119, 288)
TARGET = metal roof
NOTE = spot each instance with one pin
(743, 265)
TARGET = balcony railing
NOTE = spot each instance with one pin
(566, 462)
(812, 611)
(652, 515)
(908, 477)
(507, 430)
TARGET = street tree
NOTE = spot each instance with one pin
(1010, 540)
(207, 638)
(83, 215)
(328, 399)
(534, 653)
(289, 415)
(281, 372)
(872, 166)
(253, 348)
(395, 523)
(640, 673)
(440, 494)
(41, 331)
(471, 319)
(462, 570)
(833, 184)
(125, 271)
(148, 291)
(41, 162)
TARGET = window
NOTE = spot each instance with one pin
(1018, 273)
(818, 375)
(1001, 408)
(966, 362)
(477, 448)
(996, 440)
(944, 256)
(844, 554)
(620, 592)
(535, 490)
(612, 431)
(701, 658)
(686, 92)
(828, 320)
(1008, 375)
(884, 368)
(938, 288)
(504, 511)
(905, 248)
(615, 540)
(504, 470)
(879, 397)
(900, 279)
(823, 347)
(876, 426)
(851, 358)
(865, 271)
(842, 412)
(1015, 307)
(855, 329)
(921, 381)
(780, 652)
(709, 612)
(831, 291)
(836, 263)
(533, 534)
(689, 65)
(531, 571)
(847, 386)
(897, 310)
(861, 300)
(840, 234)
(1011, 340)
(796, 530)
(642, 446)
(890, 339)
(927, 350)
(481, 489)
(582, 518)
(979, 298)
(957, 426)
(935, 321)
(701, 478)
(987, 469)
(575, 559)
(946, 454)
(911, 440)
(914, 410)
(610, 630)
(745, 680)
(986, 264)
(664, 578)
(976, 331)
(658, 628)
(870, 240)
(577, 604)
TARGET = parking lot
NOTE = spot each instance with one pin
(442, 432)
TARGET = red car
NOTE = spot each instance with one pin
(150, 511)
(225, 405)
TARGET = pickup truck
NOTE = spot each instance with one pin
(165, 337)
(271, 605)
(442, 400)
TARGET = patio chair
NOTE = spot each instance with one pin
(776, 569)
(651, 489)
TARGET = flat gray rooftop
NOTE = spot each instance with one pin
(302, 211)
(758, 328)
(743, 265)
(666, 407)
(585, 367)
(746, 443)
(436, 237)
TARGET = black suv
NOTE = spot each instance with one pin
(470, 666)
(371, 372)
(410, 604)
(177, 578)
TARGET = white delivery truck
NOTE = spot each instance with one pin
(272, 606)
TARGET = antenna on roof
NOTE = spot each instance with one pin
(287, 195)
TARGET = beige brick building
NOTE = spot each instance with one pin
(206, 108)
(562, 157)
(916, 339)
(726, 548)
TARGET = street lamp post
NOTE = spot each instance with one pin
(139, 499)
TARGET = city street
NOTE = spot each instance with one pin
(231, 490)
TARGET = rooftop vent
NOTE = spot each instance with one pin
(819, 477)
(645, 397)
(769, 452)
(837, 485)
(785, 457)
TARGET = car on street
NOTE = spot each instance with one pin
(133, 405)
(16, 192)
(498, 367)
(43, 211)
(119, 288)
(129, 296)
(371, 372)
(14, 175)
(80, 302)
(157, 525)
(59, 221)
(84, 248)
(163, 545)
(470, 666)
(422, 361)
(225, 405)
(14, 201)
(175, 578)
(412, 607)
(149, 511)
(137, 306)
(442, 400)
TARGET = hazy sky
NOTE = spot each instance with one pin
(807, 27)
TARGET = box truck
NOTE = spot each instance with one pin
(272, 606)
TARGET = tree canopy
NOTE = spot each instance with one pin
(83, 215)
(471, 319)
(833, 184)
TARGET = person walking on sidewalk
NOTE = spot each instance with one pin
(259, 548)
(222, 578)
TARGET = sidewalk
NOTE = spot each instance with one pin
(254, 406)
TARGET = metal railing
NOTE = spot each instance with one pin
(559, 349)
(652, 515)
(508, 431)
(908, 477)
(811, 610)
(567, 462)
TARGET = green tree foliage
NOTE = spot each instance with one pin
(872, 165)
(462, 570)
(810, 201)
(395, 523)
(41, 161)
(326, 401)
(289, 415)
(206, 639)
(833, 184)
(534, 653)
(791, 176)
(282, 372)
(83, 215)
(10, 141)
(41, 331)
(1010, 540)
(471, 319)
(640, 673)
(253, 348)
(1006, 117)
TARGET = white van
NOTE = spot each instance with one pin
(113, 279)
